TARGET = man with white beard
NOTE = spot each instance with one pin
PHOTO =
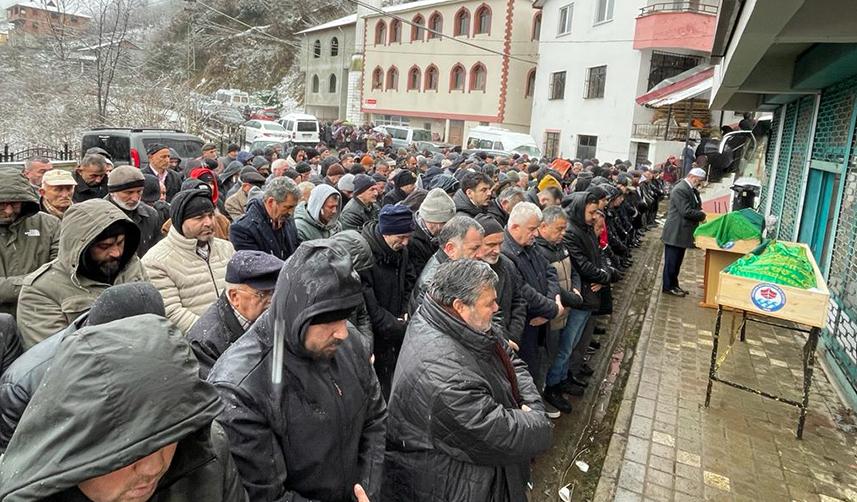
(125, 191)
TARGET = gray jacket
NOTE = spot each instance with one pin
(683, 216)
(307, 215)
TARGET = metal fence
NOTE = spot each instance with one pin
(679, 6)
(10, 154)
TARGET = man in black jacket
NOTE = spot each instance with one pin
(11, 345)
(500, 207)
(465, 416)
(437, 209)
(684, 215)
(125, 191)
(250, 280)
(307, 422)
(267, 224)
(91, 178)
(473, 197)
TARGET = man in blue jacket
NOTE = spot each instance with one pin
(267, 224)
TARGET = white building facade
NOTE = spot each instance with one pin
(326, 53)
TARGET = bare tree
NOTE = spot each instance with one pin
(110, 20)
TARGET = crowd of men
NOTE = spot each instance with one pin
(304, 324)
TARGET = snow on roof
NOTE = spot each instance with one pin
(48, 7)
(343, 21)
(404, 7)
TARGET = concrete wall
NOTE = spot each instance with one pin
(327, 65)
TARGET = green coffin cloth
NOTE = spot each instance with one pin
(777, 262)
(734, 226)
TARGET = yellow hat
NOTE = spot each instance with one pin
(58, 177)
(548, 181)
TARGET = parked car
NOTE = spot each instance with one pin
(261, 144)
(269, 113)
(128, 146)
(263, 129)
(301, 128)
(433, 146)
(502, 141)
(404, 136)
(228, 116)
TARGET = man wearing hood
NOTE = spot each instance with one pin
(319, 430)
(91, 178)
(189, 266)
(28, 238)
(125, 190)
(107, 449)
(473, 197)
(437, 209)
(465, 418)
(319, 217)
(250, 280)
(361, 209)
(267, 224)
(97, 249)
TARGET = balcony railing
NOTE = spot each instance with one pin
(666, 132)
(680, 6)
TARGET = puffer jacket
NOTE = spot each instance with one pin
(355, 214)
(307, 215)
(216, 330)
(148, 220)
(57, 293)
(456, 429)
(254, 231)
(28, 243)
(99, 385)
(322, 431)
(187, 282)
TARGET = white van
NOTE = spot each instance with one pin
(404, 136)
(300, 128)
(232, 97)
(503, 140)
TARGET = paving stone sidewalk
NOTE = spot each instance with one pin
(667, 447)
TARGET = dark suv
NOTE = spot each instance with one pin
(128, 146)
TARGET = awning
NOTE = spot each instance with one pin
(687, 85)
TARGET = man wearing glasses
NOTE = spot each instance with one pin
(250, 280)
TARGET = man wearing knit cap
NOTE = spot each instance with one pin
(56, 192)
(159, 165)
(189, 266)
(387, 286)
(361, 209)
(333, 173)
(125, 190)
(405, 182)
(437, 209)
(346, 187)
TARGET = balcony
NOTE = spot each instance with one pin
(676, 25)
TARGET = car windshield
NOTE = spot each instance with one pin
(272, 126)
(307, 126)
(530, 150)
(422, 135)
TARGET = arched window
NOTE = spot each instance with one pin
(483, 20)
(417, 31)
(456, 78)
(315, 83)
(462, 23)
(530, 89)
(334, 46)
(378, 79)
(537, 26)
(380, 32)
(431, 78)
(435, 24)
(392, 79)
(331, 84)
(316, 49)
(395, 31)
(414, 77)
(478, 76)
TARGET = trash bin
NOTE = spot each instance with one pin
(746, 191)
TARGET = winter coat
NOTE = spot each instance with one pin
(424, 280)
(498, 213)
(307, 215)
(394, 196)
(464, 206)
(84, 192)
(421, 247)
(28, 243)
(386, 289)
(356, 215)
(254, 231)
(148, 221)
(557, 255)
(322, 430)
(216, 329)
(221, 226)
(173, 181)
(683, 216)
(456, 430)
(11, 345)
(511, 317)
(187, 282)
(236, 204)
(91, 392)
(57, 293)
(540, 284)
(582, 244)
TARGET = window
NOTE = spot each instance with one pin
(586, 146)
(435, 24)
(334, 46)
(331, 84)
(316, 49)
(565, 15)
(395, 31)
(537, 26)
(551, 146)
(431, 78)
(483, 20)
(315, 83)
(531, 84)
(392, 79)
(417, 30)
(414, 78)
(596, 78)
(603, 11)
(380, 32)
(665, 65)
(462, 23)
(557, 83)
(378, 79)
(477, 77)
(456, 78)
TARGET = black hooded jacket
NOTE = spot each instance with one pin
(322, 430)
(583, 245)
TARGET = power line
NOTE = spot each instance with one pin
(256, 29)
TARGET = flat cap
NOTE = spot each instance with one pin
(254, 268)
